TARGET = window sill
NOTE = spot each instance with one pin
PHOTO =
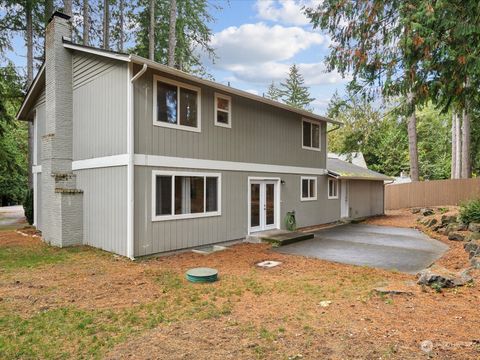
(311, 148)
(308, 199)
(177, 127)
(185, 216)
(333, 197)
(228, 126)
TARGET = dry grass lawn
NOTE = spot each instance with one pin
(85, 303)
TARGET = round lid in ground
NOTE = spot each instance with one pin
(202, 272)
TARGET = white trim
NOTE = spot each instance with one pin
(35, 141)
(311, 198)
(344, 199)
(30, 91)
(36, 169)
(229, 99)
(179, 85)
(333, 180)
(311, 134)
(189, 163)
(108, 54)
(35, 199)
(101, 162)
(173, 216)
(278, 202)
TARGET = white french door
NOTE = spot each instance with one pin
(263, 205)
(344, 204)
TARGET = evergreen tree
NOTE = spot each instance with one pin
(293, 92)
(273, 92)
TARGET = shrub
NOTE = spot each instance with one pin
(470, 212)
(28, 206)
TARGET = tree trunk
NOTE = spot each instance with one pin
(453, 164)
(106, 25)
(172, 34)
(48, 10)
(121, 20)
(466, 163)
(67, 7)
(412, 139)
(151, 32)
(86, 23)
(458, 147)
(29, 42)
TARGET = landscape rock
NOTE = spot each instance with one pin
(473, 236)
(456, 236)
(474, 227)
(455, 227)
(448, 219)
(430, 222)
(427, 211)
(442, 277)
(415, 210)
(472, 248)
(475, 261)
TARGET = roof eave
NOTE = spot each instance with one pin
(23, 112)
(175, 72)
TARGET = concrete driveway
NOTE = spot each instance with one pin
(385, 247)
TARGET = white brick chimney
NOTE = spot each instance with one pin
(62, 205)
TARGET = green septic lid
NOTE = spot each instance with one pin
(202, 275)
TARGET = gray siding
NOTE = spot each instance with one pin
(104, 208)
(41, 120)
(38, 193)
(366, 198)
(99, 107)
(159, 236)
(260, 133)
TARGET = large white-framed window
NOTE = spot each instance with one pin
(223, 110)
(308, 188)
(176, 105)
(311, 132)
(332, 188)
(185, 195)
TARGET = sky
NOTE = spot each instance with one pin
(256, 41)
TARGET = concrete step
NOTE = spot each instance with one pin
(281, 237)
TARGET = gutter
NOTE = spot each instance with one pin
(130, 163)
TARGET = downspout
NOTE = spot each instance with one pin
(130, 164)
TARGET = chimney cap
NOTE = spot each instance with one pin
(60, 15)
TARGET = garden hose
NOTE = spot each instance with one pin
(290, 222)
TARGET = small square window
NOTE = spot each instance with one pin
(308, 188)
(332, 188)
(223, 110)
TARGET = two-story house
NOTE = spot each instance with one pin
(138, 158)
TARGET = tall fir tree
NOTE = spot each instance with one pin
(273, 92)
(293, 91)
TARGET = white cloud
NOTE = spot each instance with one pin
(285, 11)
(252, 91)
(256, 43)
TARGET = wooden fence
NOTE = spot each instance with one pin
(431, 193)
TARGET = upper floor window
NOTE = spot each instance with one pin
(308, 188)
(223, 111)
(332, 188)
(176, 105)
(310, 135)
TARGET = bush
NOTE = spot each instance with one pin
(470, 212)
(28, 206)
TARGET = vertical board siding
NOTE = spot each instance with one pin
(366, 198)
(104, 208)
(99, 107)
(431, 193)
(41, 121)
(260, 133)
(39, 201)
(159, 236)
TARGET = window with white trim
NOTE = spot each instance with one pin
(181, 195)
(176, 105)
(310, 135)
(308, 188)
(332, 188)
(223, 110)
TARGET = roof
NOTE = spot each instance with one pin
(23, 113)
(356, 158)
(345, 170)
